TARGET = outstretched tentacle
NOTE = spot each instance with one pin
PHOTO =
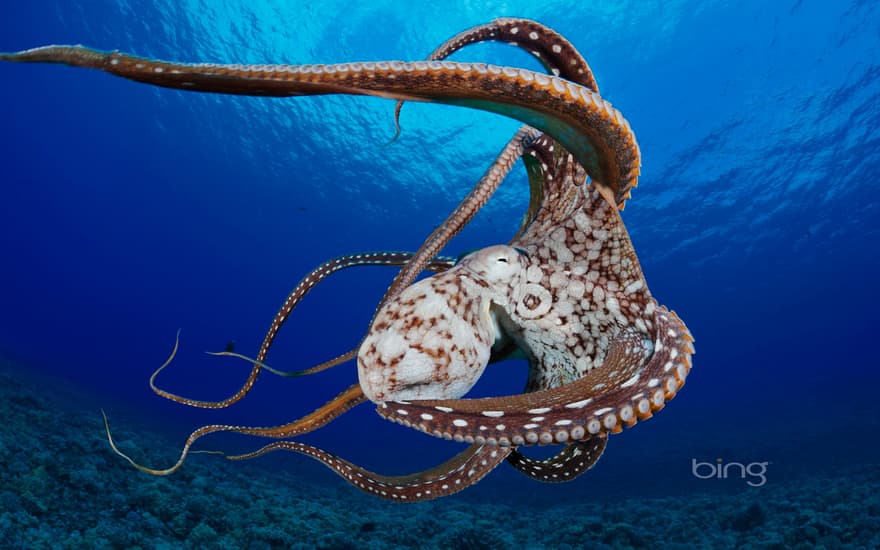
(633, 382)
(461, 471)
(589, 127)
(557, 55)
(342, 403)
(293, 299)
(573, 460)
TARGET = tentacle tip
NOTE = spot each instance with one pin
(221, 453)
(257, 364)
(38, 54)
(394, 137)
(128, 459)
(21, 55)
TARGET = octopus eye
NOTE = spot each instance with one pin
(502, 259)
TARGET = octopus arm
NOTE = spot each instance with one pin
(535, 159)
(555, 53)
(461, 471)
(299, 292)
(310, 281)
(585, 124)
(573, 460)
(636, 380)
(342, 403)
(437, 264)
(463, 213)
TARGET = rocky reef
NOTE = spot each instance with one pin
(61, 487)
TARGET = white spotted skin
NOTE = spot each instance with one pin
(434, 339)
(583, 280)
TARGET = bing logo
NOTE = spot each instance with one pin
(755, 473)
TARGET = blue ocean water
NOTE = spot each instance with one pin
(128, 212)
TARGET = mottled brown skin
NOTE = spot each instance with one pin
(602, 353)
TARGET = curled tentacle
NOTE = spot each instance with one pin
(555, 53)
(585, 124)
(461, 471)
(305, 285)
(573, 460)
(558, 56)
(636, 379)
(342, 403)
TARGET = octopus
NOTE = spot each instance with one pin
(567, 292)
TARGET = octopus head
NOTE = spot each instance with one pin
(433, 340)
(498, 265)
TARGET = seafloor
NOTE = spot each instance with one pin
(61, 487)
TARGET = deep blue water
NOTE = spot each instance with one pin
(127, 212)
